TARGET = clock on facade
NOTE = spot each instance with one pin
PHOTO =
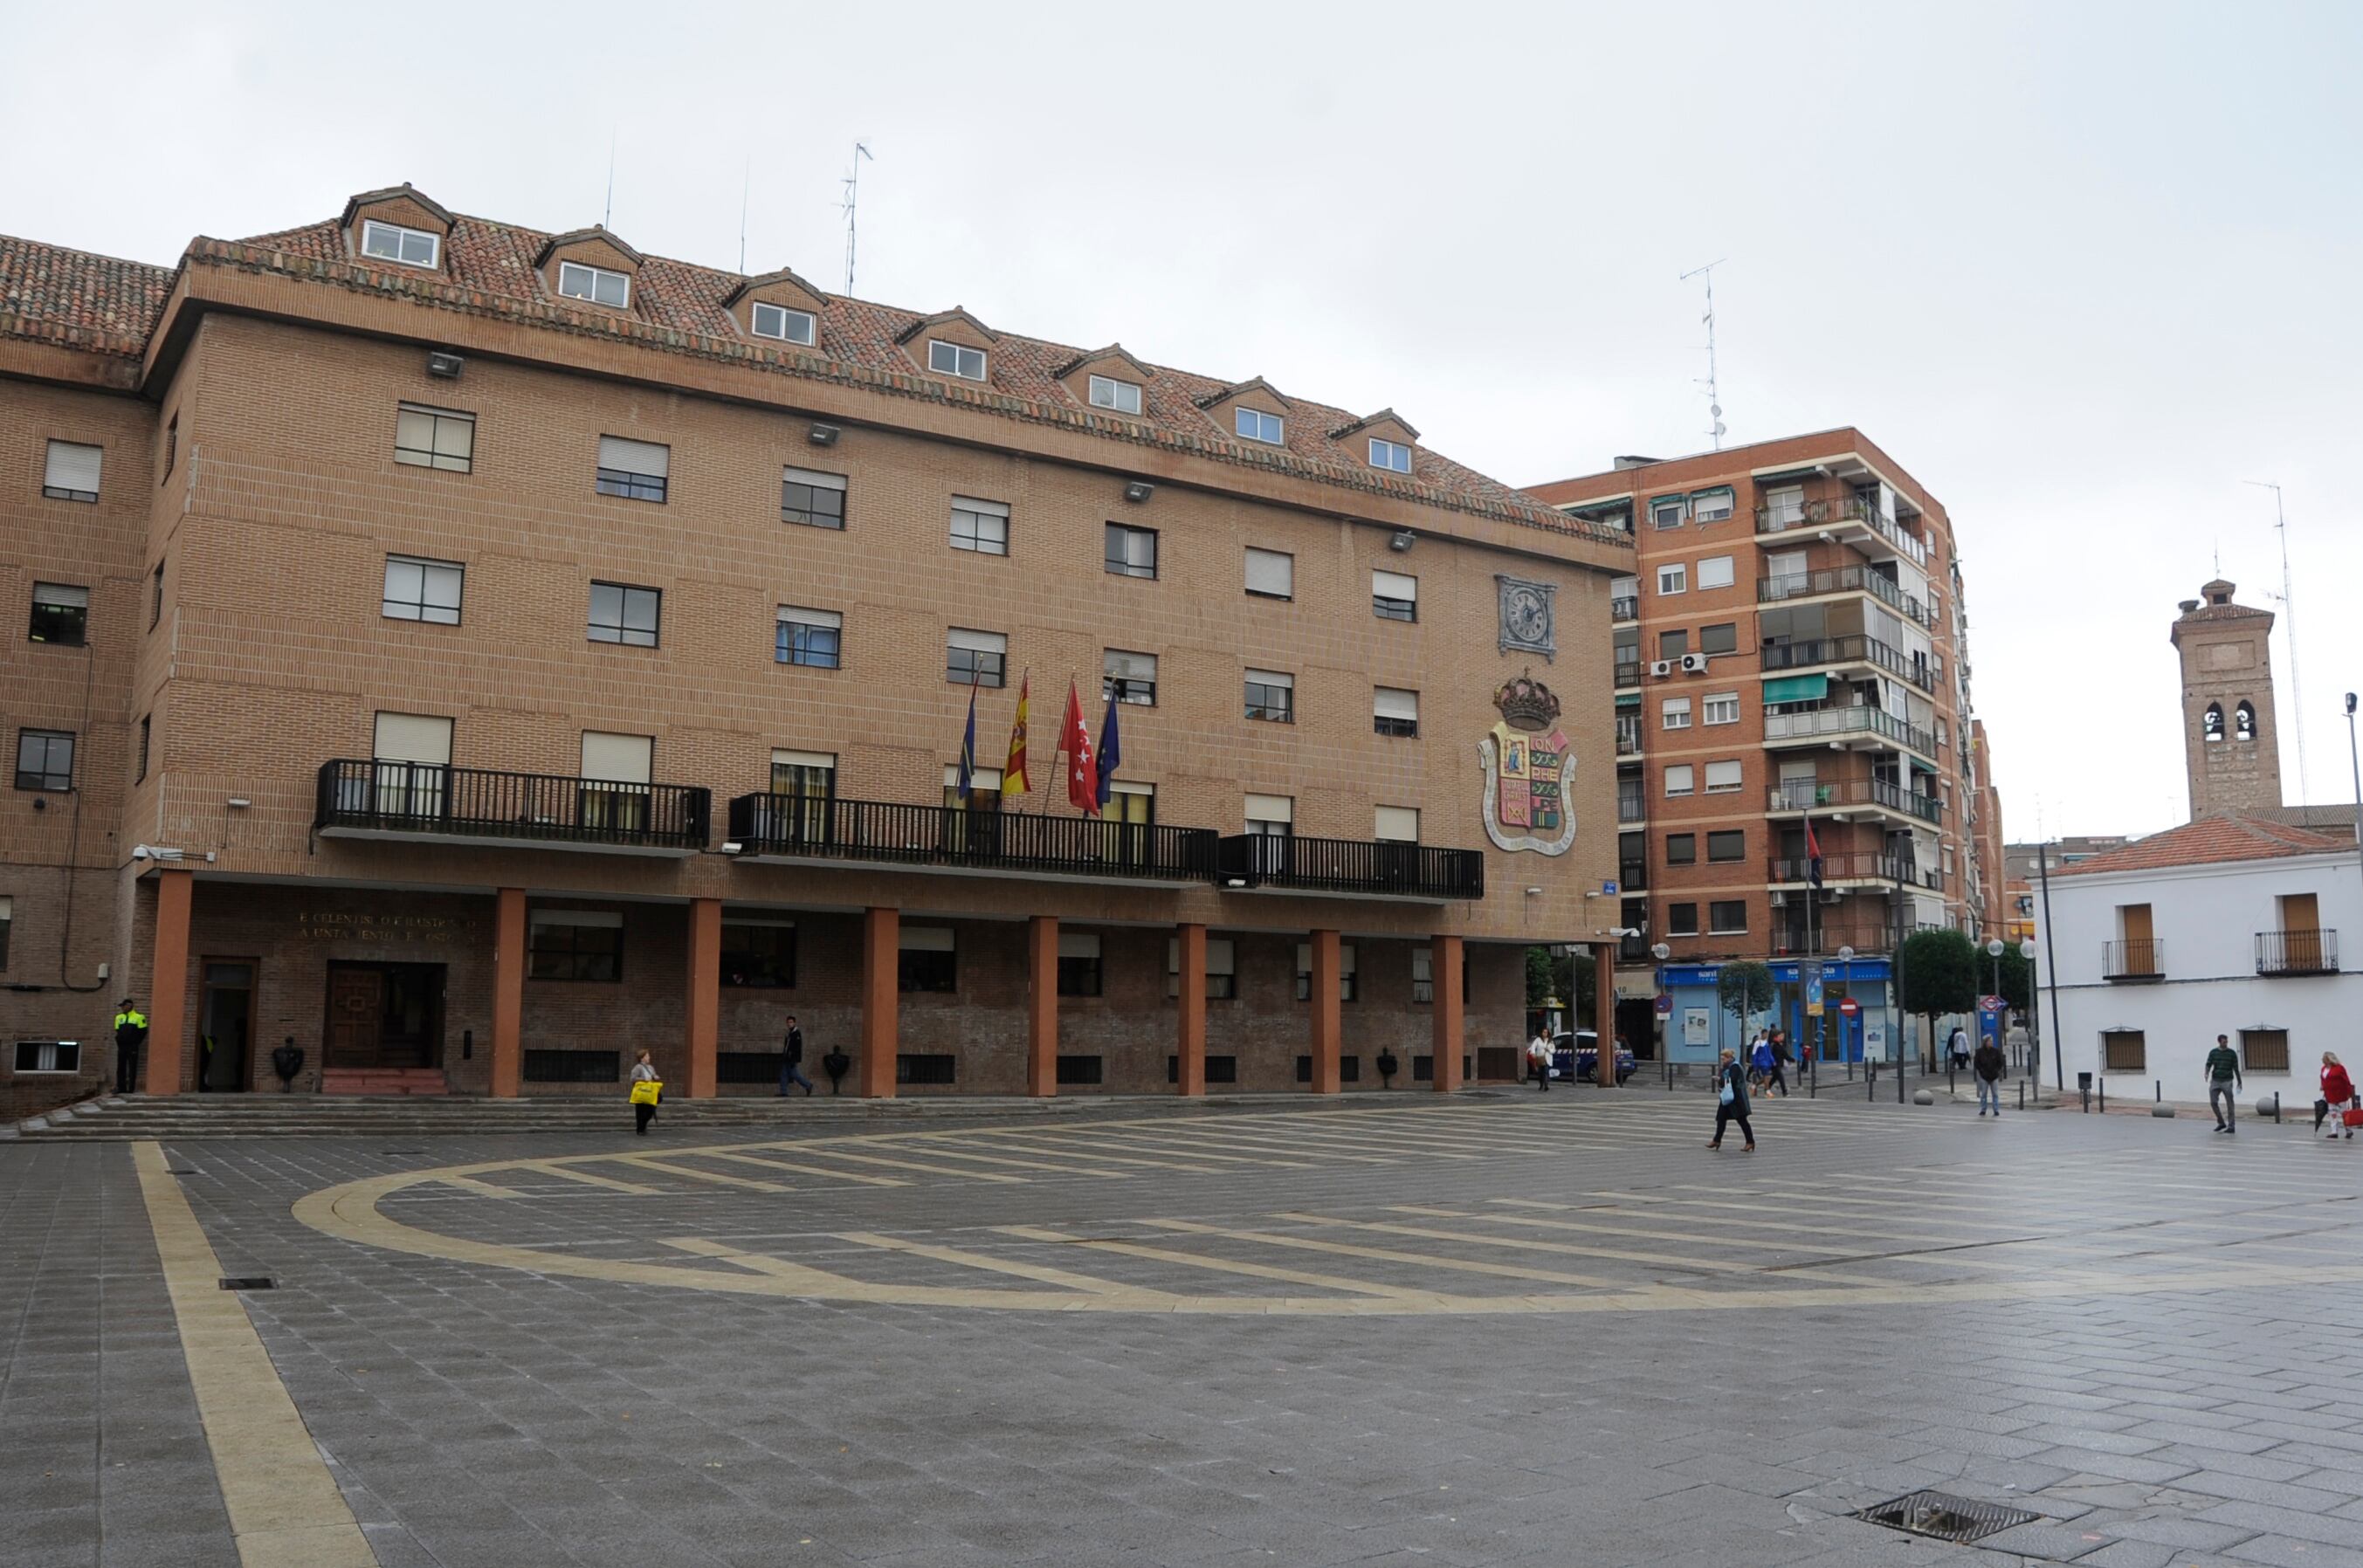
(1526, 615)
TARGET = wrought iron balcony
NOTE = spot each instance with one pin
(2136, 958)
(1629, 673)
(1633, 876)
(1631, 807)
(2297, 952)
(1826, 937)
(1629, 738)
(1625, 607)
(1351, 867)
(1813, 795)
(1818, 723)
(1852, 647)
(1850, 511)
(423, 800)
(953, 839)
(1845, 579)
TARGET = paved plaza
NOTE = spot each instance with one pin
(1502, 1329)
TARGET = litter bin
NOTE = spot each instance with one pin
(2084, 1089)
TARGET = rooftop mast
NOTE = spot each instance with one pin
(1714, 393)
(853, 193)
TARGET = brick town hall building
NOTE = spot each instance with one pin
(477, 654)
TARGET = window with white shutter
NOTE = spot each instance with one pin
(1394, 711)
(1394, 596)
(71, 471)
(637, 471)
(1271, 574)
(1396, 824)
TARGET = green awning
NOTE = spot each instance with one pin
(1628, 699)
(1797, 689)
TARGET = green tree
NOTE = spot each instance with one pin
(2017, 979)
(1940, 975)
(1744, 988)
(1569, 978)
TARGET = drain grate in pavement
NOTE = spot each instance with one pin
(249, 1281)
(1944, 1517)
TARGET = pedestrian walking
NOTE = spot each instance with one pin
(130, 1040)
(1539, 1056)
(1956, 1046)
(1731, 1102)
(1776, 1068)
(792, 1059)
(647, 1089)
(1763, 1067)
(2223, 1082)
(1988, 1066)
(2337, 1094)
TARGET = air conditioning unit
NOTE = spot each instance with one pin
(1661, 666)
(1693, 663)
(1779, 900)
(1832, 895)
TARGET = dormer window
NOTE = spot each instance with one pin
(1254, 425)
(785, 324)
(1390, 455)
(1109, 392)
(596, 284)
(406, 247)
(955, 360)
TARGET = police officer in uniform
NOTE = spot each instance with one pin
(130, 1037)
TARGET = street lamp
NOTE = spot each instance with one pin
(2356, 765)
(1661, 952)
(1993, 950)
(2034, 1017)
(1845, 963)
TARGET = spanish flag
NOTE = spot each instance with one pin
(1013, 778)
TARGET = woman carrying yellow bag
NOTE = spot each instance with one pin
(647, 1089)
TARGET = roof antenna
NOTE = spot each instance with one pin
(1713, 394)
(2288, 625)
(608, 217)
(745, 183)
(852, 192)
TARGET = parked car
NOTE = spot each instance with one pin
(1576, 1056)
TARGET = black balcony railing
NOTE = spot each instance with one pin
(1814, 723)
(1857, 866)
(2297, 952)
(807, 827)
(1826, 936)
(2136, 958)
(1352, 866)
(1770, 519)
(1851, 647)
(1845, 579)
(1633, 876)
(1625, 607)
(1629, 673)
(1631, 807)
(369, 796)
(1629, 738)
(1813, 795)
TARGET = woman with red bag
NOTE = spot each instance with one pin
(2337, 1092)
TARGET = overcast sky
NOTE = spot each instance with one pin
(2082, 269)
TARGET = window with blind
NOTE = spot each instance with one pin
(2124, 1051)
(811, 638)
(1271, 574)
(1394, 596)
(427, 437)
(1394, 711)
(979, 658)
(1395, 824)
(2264, 1050)
(981, 527)
(1222, 968)
(1079, 963)
(927, 960)
(417, 589)
(1271, 696)
(1721, 778)
(1128, 676)
(71, 471)
(635, 470)
(1347, 986)
(60, 614)
(615, 770)
(814, 499)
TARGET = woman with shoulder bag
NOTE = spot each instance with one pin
(1731, 1101)
(646, 1089)
(2337, 1094)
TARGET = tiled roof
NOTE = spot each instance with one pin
(2211, 839)
(72, 297)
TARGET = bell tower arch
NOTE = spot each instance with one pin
(2231, 743)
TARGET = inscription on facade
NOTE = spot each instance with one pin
(337, 925)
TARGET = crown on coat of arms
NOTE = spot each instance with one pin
(1526, 703)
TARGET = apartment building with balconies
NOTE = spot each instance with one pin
(1796, 771)
(473, 653)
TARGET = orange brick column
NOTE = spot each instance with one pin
(168, 987)
(1445, 959)
(1042, 1005)
(1604, 1012)
(704, 1013)
(1327, 1019)
(882, 948)
(1189, 1011)
(508, 992)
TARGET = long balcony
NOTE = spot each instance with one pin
(433, 802)
(1417, 873)
(1824, 937)
(1851, 520)
(1852, 647)
(1830, 723)
(2135, 959)
(803, 830)
(1845, 794)
(1856, 867)
(1845, 579)
(2297, 952)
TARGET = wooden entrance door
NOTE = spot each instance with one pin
(355, 1015)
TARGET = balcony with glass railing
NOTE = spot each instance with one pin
(1851, 520)
(1845, 579)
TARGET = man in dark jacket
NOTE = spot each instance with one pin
(1988, 1066)
(792, 1058)
(130, 1039)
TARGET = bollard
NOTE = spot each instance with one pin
(2277, 1107)
(2103, 1083)
(2021, 1094)
(2160, 1085)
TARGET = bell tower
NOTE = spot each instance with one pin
(2229, 738)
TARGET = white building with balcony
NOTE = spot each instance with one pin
(2228, 925)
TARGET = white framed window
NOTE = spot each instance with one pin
(1107, 392)
(1675, 579)
(1719, 707)
(1668, 511)
(427, 437)
(1347, 987)
(955, 360)
(1222, 968)
(1394, 711)
(1723, 778)
(1681, 780)
(1271, 695)
(1714, 571)
(1674, 714)
(813, 639)
(1128, 676)
(1394, 596)
(417, 589)
(1784, 507)
(637, 471)
(1271, 574)
(1712, 505)
(785, 324)
(71, 471)
(982, 526)
(811, 498)
(391, 242)
(1395, 824)
(976, 657)
(1254, 425)
(597, 284)
(1391, 454)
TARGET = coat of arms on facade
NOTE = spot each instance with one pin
(1529, 766)
(1526, 615)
